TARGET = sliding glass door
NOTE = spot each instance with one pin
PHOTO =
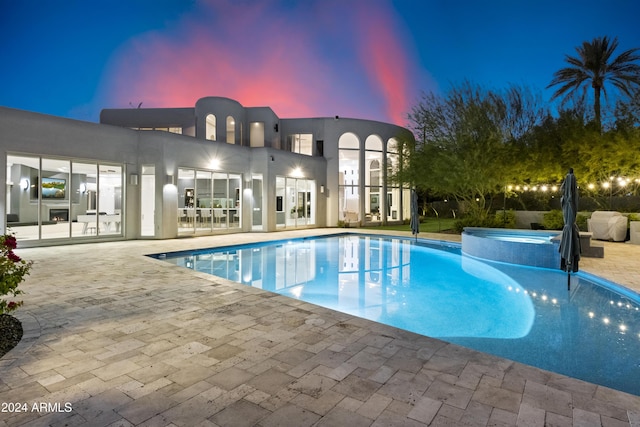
(208, 201)
(57, 198)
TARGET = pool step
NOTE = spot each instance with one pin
(590, 249)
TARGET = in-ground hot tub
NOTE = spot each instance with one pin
(537, 248)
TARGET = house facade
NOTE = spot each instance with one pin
(218, 167)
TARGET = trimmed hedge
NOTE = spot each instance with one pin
(496, 221)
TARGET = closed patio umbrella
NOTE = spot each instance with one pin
(415, 216)
(570, 242)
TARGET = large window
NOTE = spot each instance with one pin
(256, 134)
(211, 127)
(208, 201)
(51, 192)
(394, 191)
(177, 130)
(55, 198)
(203, 204)
(349, 177)
(231, 130)
(374, 203)
(369, 171)
(85, 180)
(301, 143)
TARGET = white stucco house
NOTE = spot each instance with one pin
(217, 167)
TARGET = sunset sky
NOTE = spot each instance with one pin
(307, 58)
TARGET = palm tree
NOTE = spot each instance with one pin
(594, 64)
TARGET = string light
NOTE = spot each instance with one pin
(610, 183)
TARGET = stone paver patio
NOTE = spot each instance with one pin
(114, 338)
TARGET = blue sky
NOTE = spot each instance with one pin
(355, 58)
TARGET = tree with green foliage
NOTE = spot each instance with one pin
(553, 146)
(627, 114)
(610, 155)
(594, 67)
(468, 143)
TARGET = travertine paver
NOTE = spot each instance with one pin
(113, 338)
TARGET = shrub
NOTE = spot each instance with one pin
(12, 272)
(581, 221)
(470, 221)
(553, 220)
(492, 221)
(508, 222)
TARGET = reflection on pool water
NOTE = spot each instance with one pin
(523, 313)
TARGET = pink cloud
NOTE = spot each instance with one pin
(300, 60)
(386, 61)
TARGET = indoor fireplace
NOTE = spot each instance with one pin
(59, 215)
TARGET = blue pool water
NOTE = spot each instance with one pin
(522, 313)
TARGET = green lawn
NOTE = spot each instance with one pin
(430, 225)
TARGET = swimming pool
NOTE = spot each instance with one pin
(518, 312)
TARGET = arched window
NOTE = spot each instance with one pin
(373, 142)
(374, 201)
(394, 190)
(349, 179)
(211, 127)
(231, 130)
(392, 145)
(349, 141)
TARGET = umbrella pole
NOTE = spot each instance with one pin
(568, 280)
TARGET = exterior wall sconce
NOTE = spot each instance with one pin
(24, 184)
(133, 179)
(271, 158)
(322, 189)
(82, 188)
(275, 127)
(169, 180)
